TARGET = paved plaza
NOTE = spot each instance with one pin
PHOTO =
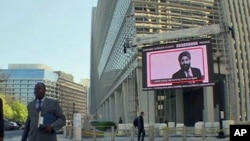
(62, 138)
(155, 139)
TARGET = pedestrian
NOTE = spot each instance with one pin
(1, 121)
(45, 117)
(141, 130)
(166, 121)
(120, 120)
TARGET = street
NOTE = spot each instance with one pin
(12, 134)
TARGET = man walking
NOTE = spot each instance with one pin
(45, 117)
(141, 130)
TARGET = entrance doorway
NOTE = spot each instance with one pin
(193, 105)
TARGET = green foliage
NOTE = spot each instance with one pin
(19, 111)
(7, 110)
(14, 110)
(103, 125)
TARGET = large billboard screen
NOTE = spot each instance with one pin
(178, 65)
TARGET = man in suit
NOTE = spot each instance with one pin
(35, 129)
(141, 130)
(186, 73)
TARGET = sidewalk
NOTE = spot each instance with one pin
(155, 139)
(60, 137)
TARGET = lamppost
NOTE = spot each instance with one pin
(221, 97)
(74, 107)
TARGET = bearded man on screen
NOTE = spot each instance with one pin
(186, 74)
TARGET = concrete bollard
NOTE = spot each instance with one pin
(94, 134)
(67, 131)
(165, 134)
(70, 132)
(112, 133)
(132, 133)
(184, 133)
(151, 133)
(203, 132)
(64, 132)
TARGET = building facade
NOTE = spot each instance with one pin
(72, 96)
(19, 81)
(116, 72)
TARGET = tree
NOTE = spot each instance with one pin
(19, 111)
(7, 110)
(13, 109)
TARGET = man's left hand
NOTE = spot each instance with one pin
(48, 129)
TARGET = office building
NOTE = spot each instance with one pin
(116, 72)
(19, 81)
(72, 96)
(85, 83)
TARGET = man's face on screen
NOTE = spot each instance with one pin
(185, 63)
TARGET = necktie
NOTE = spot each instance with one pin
(39, 107)
(188, 74)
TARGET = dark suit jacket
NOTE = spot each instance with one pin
(140, 122)
(181, 74)
(31, 130)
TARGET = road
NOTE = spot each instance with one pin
(12, 134)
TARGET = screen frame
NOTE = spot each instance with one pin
(192, 45)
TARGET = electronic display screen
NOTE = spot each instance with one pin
(177, 65)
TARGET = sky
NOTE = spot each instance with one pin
(55, 33)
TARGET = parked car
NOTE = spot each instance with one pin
(6, 125)
(13, 125)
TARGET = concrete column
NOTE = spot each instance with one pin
(131, 106)
(107, 110)
(208, 112)
(179, 106)
(112, 108)
(146, 100)
(101, 112)
(147, 104)
(119, 107)
(125, 99)
(103, 109)
(116, 97)
(151, 107)
(111, 112)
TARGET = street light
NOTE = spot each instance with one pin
(74, 107)
(221, 134)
